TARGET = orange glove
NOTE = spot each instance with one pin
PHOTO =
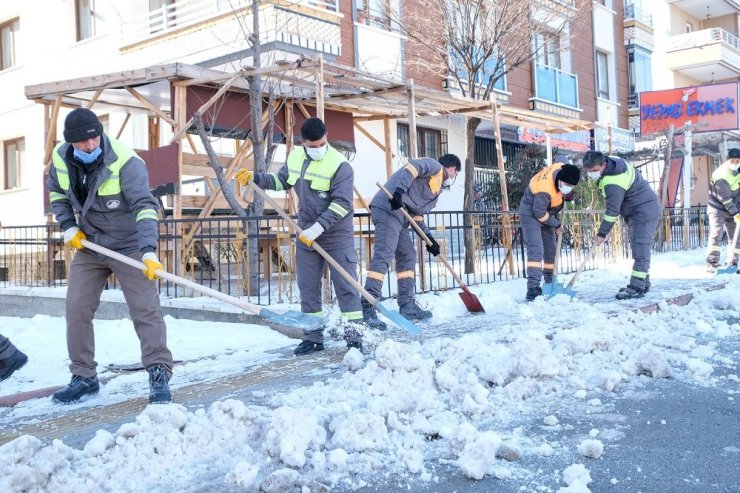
(73, 237)
(244, 176)
(152, 265)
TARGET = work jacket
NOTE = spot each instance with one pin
(542, 199)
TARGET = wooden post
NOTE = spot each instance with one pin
(505, 218)
(320, 88)
(51, 133)
(413, 151)
(388, 152)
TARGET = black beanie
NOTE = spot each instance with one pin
(734, 153)
(569, 174)
(81, 124)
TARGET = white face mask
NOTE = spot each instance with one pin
(448, 182)
(594, 175)
(565, 188)
(316, 153)
(735, 167)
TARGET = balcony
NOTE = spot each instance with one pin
(698, 8)
(707, 55)
(188, 15)
(634, 13)
(553, 86)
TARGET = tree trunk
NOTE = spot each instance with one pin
(469, 199)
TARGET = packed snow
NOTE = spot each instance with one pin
(477, 397)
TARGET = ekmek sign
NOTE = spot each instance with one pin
(708, 108)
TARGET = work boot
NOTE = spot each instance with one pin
(10, 365)
(411, 311)
(354, 344)
(306, 347)
(630, 292)
(712, 267)
(370, 317)
(78, 387)
(532, 293)
(159, 387)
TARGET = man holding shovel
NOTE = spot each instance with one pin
(628, 195)
(323, 180)
(542, 201)
(723, 210)
(416, 187)
(99, 190)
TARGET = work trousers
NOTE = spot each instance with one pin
(6, 348)
(88, 274)
(310, 273)
(541, 243)
(720, 221)
(392, 240)
(642, 227)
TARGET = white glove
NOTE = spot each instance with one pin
(309, 235)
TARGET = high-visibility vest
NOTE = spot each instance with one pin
(622, 180)
(544, 181)
(319, 173)
(112, 184)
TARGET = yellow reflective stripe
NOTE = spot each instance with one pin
(55, 196)
(610, 219)
(544, 218)
(353, 315)
(375, 275)
(146, 214)
(315, 314)
(278, 184)
(338, 209)
(405, 274)
(638, 274)
(61, 168)
(410, 168)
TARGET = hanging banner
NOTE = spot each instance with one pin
(709, 108)
(579, 141)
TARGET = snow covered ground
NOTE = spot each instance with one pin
(456, 396)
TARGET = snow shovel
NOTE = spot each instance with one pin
(568, 289)
(730, 268)
(294, 319)
(471, 301)
(394, 316)
(550, 289)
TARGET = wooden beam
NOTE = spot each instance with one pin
(150, 106)
(51, 133)
(372, 139)
(123, 125)
(388, 153)
(320, 88)
(413, 152)
(94, 99)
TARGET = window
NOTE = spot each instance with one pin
(489, 68)
(13, 159)
(85, 12)
(374, 13)
(602, 74)
(547, 49)
(430, 142)
(689, 27)
(8, 38)
(639, 72)
(161, 15)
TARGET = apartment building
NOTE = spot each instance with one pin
(685, 55)
(86, 38)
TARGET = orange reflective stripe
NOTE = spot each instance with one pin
(549, 266)
(375, 275)
(533, 263)
(544, 218)
(405, 274)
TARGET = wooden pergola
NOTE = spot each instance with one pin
(300, 87)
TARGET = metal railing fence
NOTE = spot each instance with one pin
(215, 252)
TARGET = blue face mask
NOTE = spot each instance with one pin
(87, 157)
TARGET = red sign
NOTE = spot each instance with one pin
(578, 141)
(708, 108)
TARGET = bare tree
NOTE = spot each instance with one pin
(474, 43)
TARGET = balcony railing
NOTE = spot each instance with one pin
(552, 84)
(185, 13)
(701, 38)
(632, 101)
(631, 12)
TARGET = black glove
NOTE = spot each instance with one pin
(433, 248)
(397, 199)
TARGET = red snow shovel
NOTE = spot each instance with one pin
(298, 320)
(394, 316)
(731, 268)
(470, 300)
